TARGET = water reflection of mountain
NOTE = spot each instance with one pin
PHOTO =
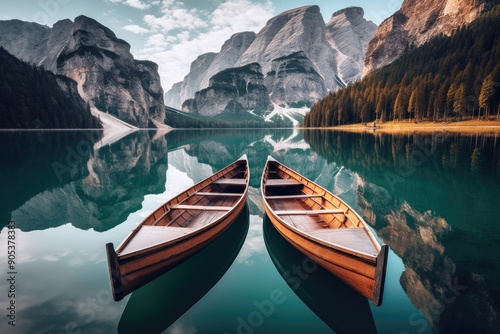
(340, 307)
(434, 200)
(217, 148)
(156, 306)
(33, 162)
(111, 184)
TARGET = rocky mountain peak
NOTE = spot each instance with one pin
(292, 31)
(417, 22)
(234, 90)
(355, 15)
(349, 33)
(302, 58)
(107, 75)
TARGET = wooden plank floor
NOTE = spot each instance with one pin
(206, 217)
(353, 238)
(303, 223)
(152, 235)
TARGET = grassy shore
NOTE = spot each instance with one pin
(469, 126)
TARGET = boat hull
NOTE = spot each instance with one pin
(363, 276)
(326, 229)
(178, 229)
(129, 273)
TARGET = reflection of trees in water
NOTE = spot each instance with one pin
(104, 187)
(439, 215)
(439, 149)
(28, 159)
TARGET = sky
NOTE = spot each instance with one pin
(174, 33)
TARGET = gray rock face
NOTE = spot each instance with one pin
(191, 83)
(207, 65)
(24, 38)
(297, 30)
(173, 96)
(301, 57)
(349, 34)
(235, 90)
(417, 22)
(102, 65)
(293, 80)
(229, 55)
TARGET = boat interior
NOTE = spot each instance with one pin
(309, 208)
(303, 204)
(199, 206)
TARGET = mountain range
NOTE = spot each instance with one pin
(294, 61)
(301, 59)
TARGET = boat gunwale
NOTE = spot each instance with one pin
(372, 258)
(144, 251)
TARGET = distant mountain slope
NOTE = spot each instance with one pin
(416, 23)
(446, 78)
(349, 33)
(84, 50)
(301, 57)
(34, 98)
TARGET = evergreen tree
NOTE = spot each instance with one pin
(485, 95)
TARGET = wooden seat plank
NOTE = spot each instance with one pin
(201, 208)
(219, 194)
(308, 212)
(282, 183)
(292, 196)
(230, 182)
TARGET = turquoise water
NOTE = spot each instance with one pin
(432, 198)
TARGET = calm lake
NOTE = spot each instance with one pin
(433, 198)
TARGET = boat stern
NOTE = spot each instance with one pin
(117, 286)
(379, 280)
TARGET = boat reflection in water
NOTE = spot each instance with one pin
(157, 305)
(340, 307)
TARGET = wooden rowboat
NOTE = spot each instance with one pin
(324, 228)
(340, 307)
(157, 305)
(179, 228)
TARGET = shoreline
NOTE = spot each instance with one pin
(468, 126)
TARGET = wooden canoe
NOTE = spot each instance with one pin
(338, 306)
(324, 228)
(157, 305)
(179, 228)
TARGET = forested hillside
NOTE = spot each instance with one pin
(447, 78)
(33, 98)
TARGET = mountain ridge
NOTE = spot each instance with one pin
(415, 23)
(86, 51)
(300, 31)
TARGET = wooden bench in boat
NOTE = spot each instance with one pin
(219, 194)
(201, 208)
(293, 196)
(230, 182)
(308, 212)
(282, 183)
(353, 238)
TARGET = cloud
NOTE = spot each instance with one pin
(184, 40)
(138, 4)
(175, 16)
(241, 15)
(136, 29)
